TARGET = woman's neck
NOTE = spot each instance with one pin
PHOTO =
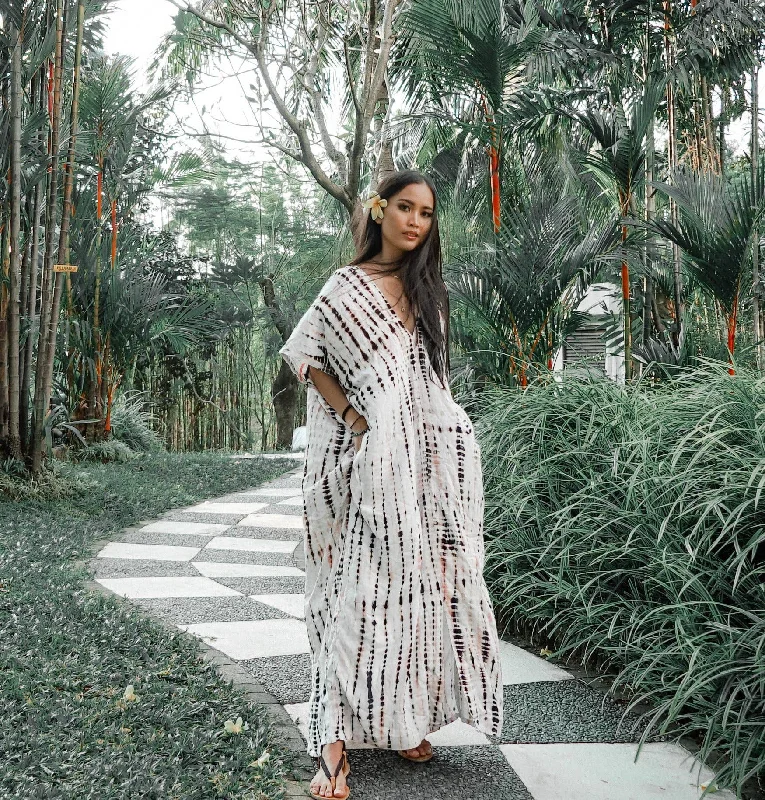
(389, 254)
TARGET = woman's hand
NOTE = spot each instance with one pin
(359, 424)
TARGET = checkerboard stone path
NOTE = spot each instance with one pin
(230, 572)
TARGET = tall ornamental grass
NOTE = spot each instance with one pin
(627, 526)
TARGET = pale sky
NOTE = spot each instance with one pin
(135, 28)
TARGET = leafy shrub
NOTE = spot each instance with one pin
(626, 525)
(111, 450)
(131, 424)
(51, 484)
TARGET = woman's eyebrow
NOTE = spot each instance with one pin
(405, 200)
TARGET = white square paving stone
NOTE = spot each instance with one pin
(292, 502)
(519, 666)
(266, 492)
(223, 569)
(253, 639)
(608, 771)
(272, 521)
(251, 545)
(293, 604)
(235, 509)
(195, 528)
(151, 552)
(167, 587)
(299, 714)
(457, 734)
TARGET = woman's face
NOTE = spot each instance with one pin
(408, 217)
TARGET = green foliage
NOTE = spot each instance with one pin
(106, 451)
(68, 654)
(17, 484)
(625, 524)
(718, 220)
(131, 423)
(515, 298)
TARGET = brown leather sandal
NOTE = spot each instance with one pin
(418, 759)
(343, 765)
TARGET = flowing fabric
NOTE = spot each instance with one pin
(401, 628)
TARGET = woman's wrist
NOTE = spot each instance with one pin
(355, 426)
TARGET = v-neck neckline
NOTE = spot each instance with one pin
(368, 281)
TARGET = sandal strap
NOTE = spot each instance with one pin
(340, 764)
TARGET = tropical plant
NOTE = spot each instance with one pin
(517, 298)
(469, 59)
(716, 231)
(624, 530)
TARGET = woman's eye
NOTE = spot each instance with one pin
(403, 207)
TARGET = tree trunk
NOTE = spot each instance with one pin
(723, 122)
(5, 211)
(732, 320)
(66, 215)
(4, 303)
(284, 396)
(650, 214)
(756, 192)
(42, 398)
(34, 270)
(626, 310)
(672, 165)
(14, 308)
(94, 384)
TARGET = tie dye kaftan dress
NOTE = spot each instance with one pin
(401, 628)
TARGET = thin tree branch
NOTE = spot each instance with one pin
(296, 125)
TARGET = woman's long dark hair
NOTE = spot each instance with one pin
(422, 272)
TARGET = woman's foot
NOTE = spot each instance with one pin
(321, 785)
(422, 751)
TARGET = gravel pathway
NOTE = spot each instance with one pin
(229, 571)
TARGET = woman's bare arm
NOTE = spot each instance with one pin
(329, 388)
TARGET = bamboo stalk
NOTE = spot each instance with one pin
(756, 189)
(14, 307)
(42, 398)
(672, 159)
(34, 272)
(4, 342)
(650, 213)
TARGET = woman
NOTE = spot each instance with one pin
(401, 628)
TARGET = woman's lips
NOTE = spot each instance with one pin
(412, 236)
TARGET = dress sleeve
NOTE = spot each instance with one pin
(307, 344)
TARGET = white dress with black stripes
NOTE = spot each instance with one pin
(402, 631)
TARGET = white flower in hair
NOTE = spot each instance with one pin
(375, 206)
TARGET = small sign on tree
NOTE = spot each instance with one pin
(64, 268)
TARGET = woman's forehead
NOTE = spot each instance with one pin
(416, 193)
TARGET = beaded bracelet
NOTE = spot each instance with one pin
(354, 434)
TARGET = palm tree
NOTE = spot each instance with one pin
(718, 221)
(520, 292)
(619, 164)
(469, 58)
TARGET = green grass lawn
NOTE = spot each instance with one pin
(67, 656)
